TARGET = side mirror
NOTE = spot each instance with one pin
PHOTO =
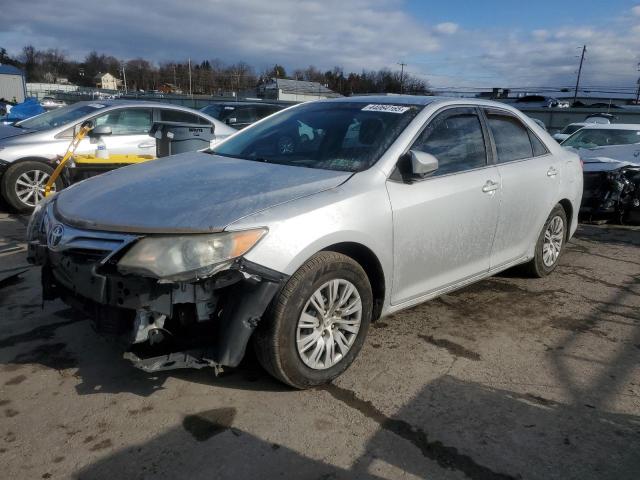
(100, 131)
(422, 163)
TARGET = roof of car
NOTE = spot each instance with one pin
(392, 99)
(241, 104)
(422, 100)
(133, 103)
(612, 126)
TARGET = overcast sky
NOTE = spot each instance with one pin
(450, 43)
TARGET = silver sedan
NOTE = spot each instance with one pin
(29, 150)
(305, 227)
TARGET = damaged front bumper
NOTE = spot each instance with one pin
(206, 322)
(612, 195)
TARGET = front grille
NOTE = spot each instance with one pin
(86, 256)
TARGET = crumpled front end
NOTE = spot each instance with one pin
(612, 195)
(164, 324)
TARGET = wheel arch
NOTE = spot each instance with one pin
(33, 158)
(372, 267)
(568, 210)
(16, 163)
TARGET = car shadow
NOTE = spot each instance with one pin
(450, 429)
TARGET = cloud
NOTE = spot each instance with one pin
(447, 28)
(540, 34)
(549, 57)
(355, 34)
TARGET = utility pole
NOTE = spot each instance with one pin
(124, 78)
(638, 93)
(575, 95)
(402, 65)
(190, 89)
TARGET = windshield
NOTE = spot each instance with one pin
(59, 117)
(215, 111)
(593, 137)
(569, 129)
(327, 135)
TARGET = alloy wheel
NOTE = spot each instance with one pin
(30, 186)
(329, 324)
(553, 238)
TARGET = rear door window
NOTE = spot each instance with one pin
(127, 121)
(180, 117)
(455, 138)
(510, 136)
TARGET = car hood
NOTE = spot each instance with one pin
(7, 131)
(187, 193)
(608, 158)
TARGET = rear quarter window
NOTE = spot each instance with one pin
(181, 117)
(511, 138)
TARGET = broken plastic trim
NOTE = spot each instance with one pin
(173, 361)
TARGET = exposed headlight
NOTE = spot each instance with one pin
(187, 257)
(35, 221)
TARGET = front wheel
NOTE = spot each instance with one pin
(318, 322)
(550, 244)
(24, 182)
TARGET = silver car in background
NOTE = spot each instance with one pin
(298, 242)
(29, 149)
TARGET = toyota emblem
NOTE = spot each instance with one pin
(55, 235)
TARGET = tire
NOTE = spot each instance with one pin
(24, 171)
(540, 266)
(281, 332)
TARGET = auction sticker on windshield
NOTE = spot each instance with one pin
(372, 107)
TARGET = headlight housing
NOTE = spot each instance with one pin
(187, 257)
(35, 221)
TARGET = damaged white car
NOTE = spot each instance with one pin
(296, 242)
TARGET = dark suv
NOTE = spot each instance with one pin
(240, 114)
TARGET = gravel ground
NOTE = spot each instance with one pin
(509, 378)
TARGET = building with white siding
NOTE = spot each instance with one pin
(12, 84)
(294, 90)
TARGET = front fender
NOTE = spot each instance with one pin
(299, 229)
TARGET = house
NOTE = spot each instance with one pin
(12, 84)
(106, 81)
(169, 88)
(294, 90)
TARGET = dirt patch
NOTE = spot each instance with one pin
(44, 332)
(453, 348)
(52, 355)
(101, 445)
(16, 380)
(446, 456)
(144, 409)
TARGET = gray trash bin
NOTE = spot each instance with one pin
(173, 137)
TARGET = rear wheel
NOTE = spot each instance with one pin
(550, 244)
(318, 322)
(23, 184)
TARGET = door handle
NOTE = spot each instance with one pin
(552, 172)
(490, 186)
(146, 144)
